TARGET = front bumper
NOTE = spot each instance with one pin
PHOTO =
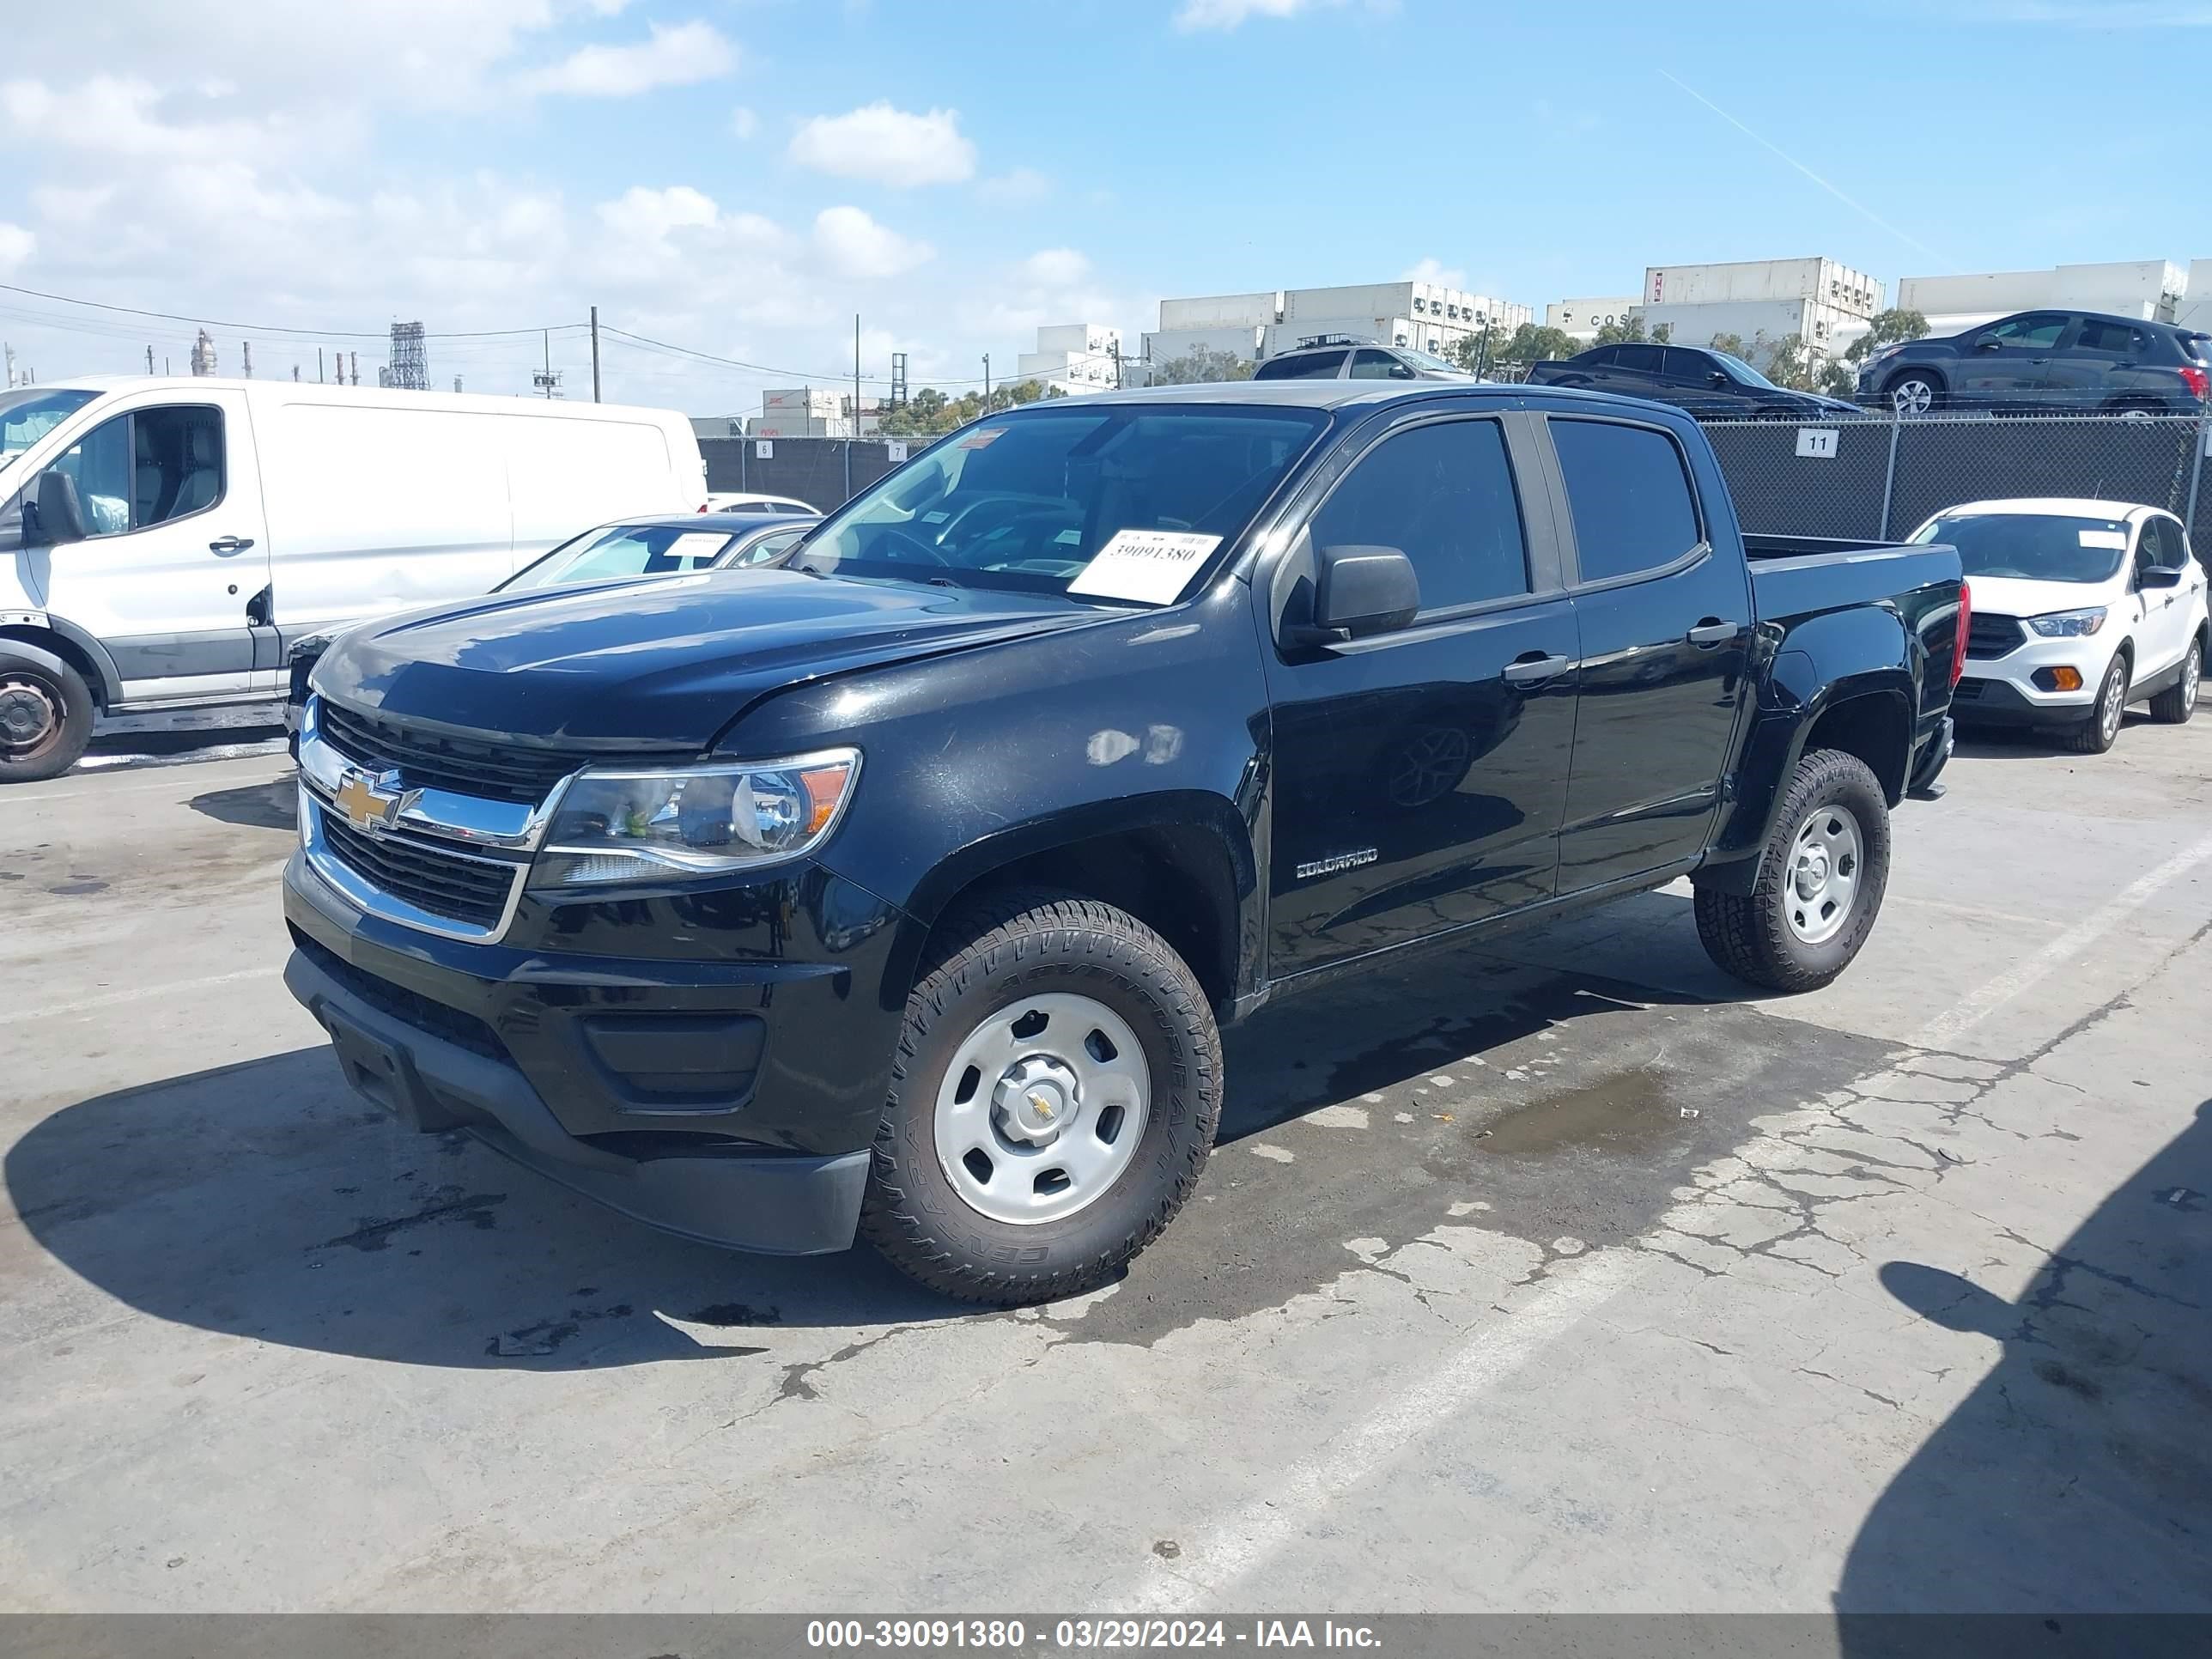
(2002, 690)
(729, 1094)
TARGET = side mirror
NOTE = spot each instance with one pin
(1988, 343)
(60, 514)
(1719, 378)
(1357, 593)
(2158, 575)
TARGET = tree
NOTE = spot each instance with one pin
(1628, 331)
(1201, 365)
(1731, 343)
(1792, 364)
(1891, 327)
(1529, 343)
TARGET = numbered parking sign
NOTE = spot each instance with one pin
(1816, 443)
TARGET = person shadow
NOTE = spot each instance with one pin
(2077, 1478)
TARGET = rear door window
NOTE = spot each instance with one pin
(1630, 497)
(1307, 366)
(1640, 359)
(1372, 365)
(2111, 339)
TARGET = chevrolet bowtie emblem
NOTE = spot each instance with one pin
(374, 801)
(1042, 1106)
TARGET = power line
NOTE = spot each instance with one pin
(274, 328)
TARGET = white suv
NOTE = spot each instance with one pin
(2080, 608)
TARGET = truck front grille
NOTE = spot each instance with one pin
(492, 771)
(1990, 636)
(470, 891)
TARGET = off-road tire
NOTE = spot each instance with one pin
(39, 674)
(1748, 935)
(2178, 700)
(2093, 736)
(1032, 942)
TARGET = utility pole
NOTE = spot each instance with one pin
(319, 365)
(245, 348)
(987, 377)
(595, 354)
(357, 367)
(150, 360)
(546, 380)
(856, 375)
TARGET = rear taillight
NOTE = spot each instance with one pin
(1966, 622)
(2196, 381)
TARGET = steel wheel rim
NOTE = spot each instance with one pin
(27, 706)
(2115, 700)
(1827, 857)
(1042, 1108)
(1913, 397)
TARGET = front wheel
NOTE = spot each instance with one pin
(1053, 1098)
(1820, 881)
(2178, 700)
(46, 715)
(2098, 732)
(1914, 394)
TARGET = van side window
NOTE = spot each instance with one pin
(1442, 493)
(1629, 496)
(179, 463)
(145, 468)
(100, 463)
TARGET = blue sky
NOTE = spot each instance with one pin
(741, 178)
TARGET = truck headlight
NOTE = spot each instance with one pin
(693, 822)
(2068, 624)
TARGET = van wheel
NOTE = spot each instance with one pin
(1055, 1093)
(46, 715)
(1820, 881)
(2095, 734)
(2178, 700)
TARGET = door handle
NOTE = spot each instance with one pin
(1532, 671)
(230, 544)
(1711, 633)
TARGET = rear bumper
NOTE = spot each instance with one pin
(1934, 756)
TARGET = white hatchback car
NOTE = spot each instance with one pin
(2080, 609)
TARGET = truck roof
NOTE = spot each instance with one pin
(1337, 394)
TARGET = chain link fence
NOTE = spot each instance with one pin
(1877, 478)
(823, 472)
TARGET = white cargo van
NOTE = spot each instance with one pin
(161, 540)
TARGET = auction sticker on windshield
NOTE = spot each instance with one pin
(1150, 566)
(2116, 540)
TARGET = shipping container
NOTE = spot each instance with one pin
(1755, 281)
(1221, 311)
(2149, 289)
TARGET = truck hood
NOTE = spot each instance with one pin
(663, 662)
(2016, 596)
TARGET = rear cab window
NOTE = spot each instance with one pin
(1303, 366)
(1629, 495)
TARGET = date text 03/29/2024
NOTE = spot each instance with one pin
(1014, 1635)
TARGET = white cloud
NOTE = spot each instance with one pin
(16, 247)
(1444, 275)
(1054, 267)
(851, 244)
(744, 123)
(1022, 187)
(1228, 13)
(671, 55)
(888, 146)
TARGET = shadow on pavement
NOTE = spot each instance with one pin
(2077, 1477)
(272, 805)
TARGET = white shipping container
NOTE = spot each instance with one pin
(1221, 311)
(2195, 310)
(2137, 287)
(1825, 281)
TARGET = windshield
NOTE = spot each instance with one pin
(626, 549)
(1429, 360)
(1742, 370)
(1027, 501)
(2033, 547)
(27, 415)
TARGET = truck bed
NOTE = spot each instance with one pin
(1797, 577)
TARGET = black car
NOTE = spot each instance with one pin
(673, 544)
(1356, 360)
(2050, 362)
(903, 888)
(1713, 385)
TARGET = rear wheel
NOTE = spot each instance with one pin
(2095, 734)
(2178, 700)
(46, 715)
(1912, 394)
(1821, 877)
(1053, 1101)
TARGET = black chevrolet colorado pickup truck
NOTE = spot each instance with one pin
(904, 889)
